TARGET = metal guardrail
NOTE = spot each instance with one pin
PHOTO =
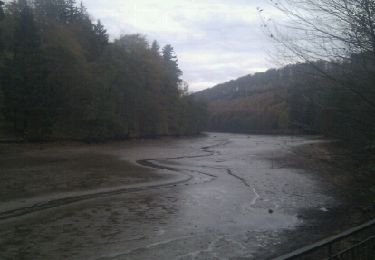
(364, 250)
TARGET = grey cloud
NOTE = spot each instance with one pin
(213, 48)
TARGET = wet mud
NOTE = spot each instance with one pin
(221, 196)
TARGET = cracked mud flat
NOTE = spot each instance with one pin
(221, 196)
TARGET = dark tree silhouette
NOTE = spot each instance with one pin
(62, 78)
(340, 33)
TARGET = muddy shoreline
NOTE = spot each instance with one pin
(248, 195)
(332, 164)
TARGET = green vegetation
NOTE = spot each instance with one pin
(61, 78)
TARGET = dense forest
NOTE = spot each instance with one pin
(299, 98)
(251, 104)
(61, 78)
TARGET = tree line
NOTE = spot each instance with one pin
(61, 78)
(298, 98)
(251, 104)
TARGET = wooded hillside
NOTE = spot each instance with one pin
(299, 98)
(61, 78)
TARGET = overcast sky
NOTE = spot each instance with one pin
(215, 40)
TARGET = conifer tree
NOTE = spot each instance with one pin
(155, 48)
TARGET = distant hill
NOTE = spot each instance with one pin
(255, 103)
(322, 97)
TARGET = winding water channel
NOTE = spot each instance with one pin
(224, 196)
